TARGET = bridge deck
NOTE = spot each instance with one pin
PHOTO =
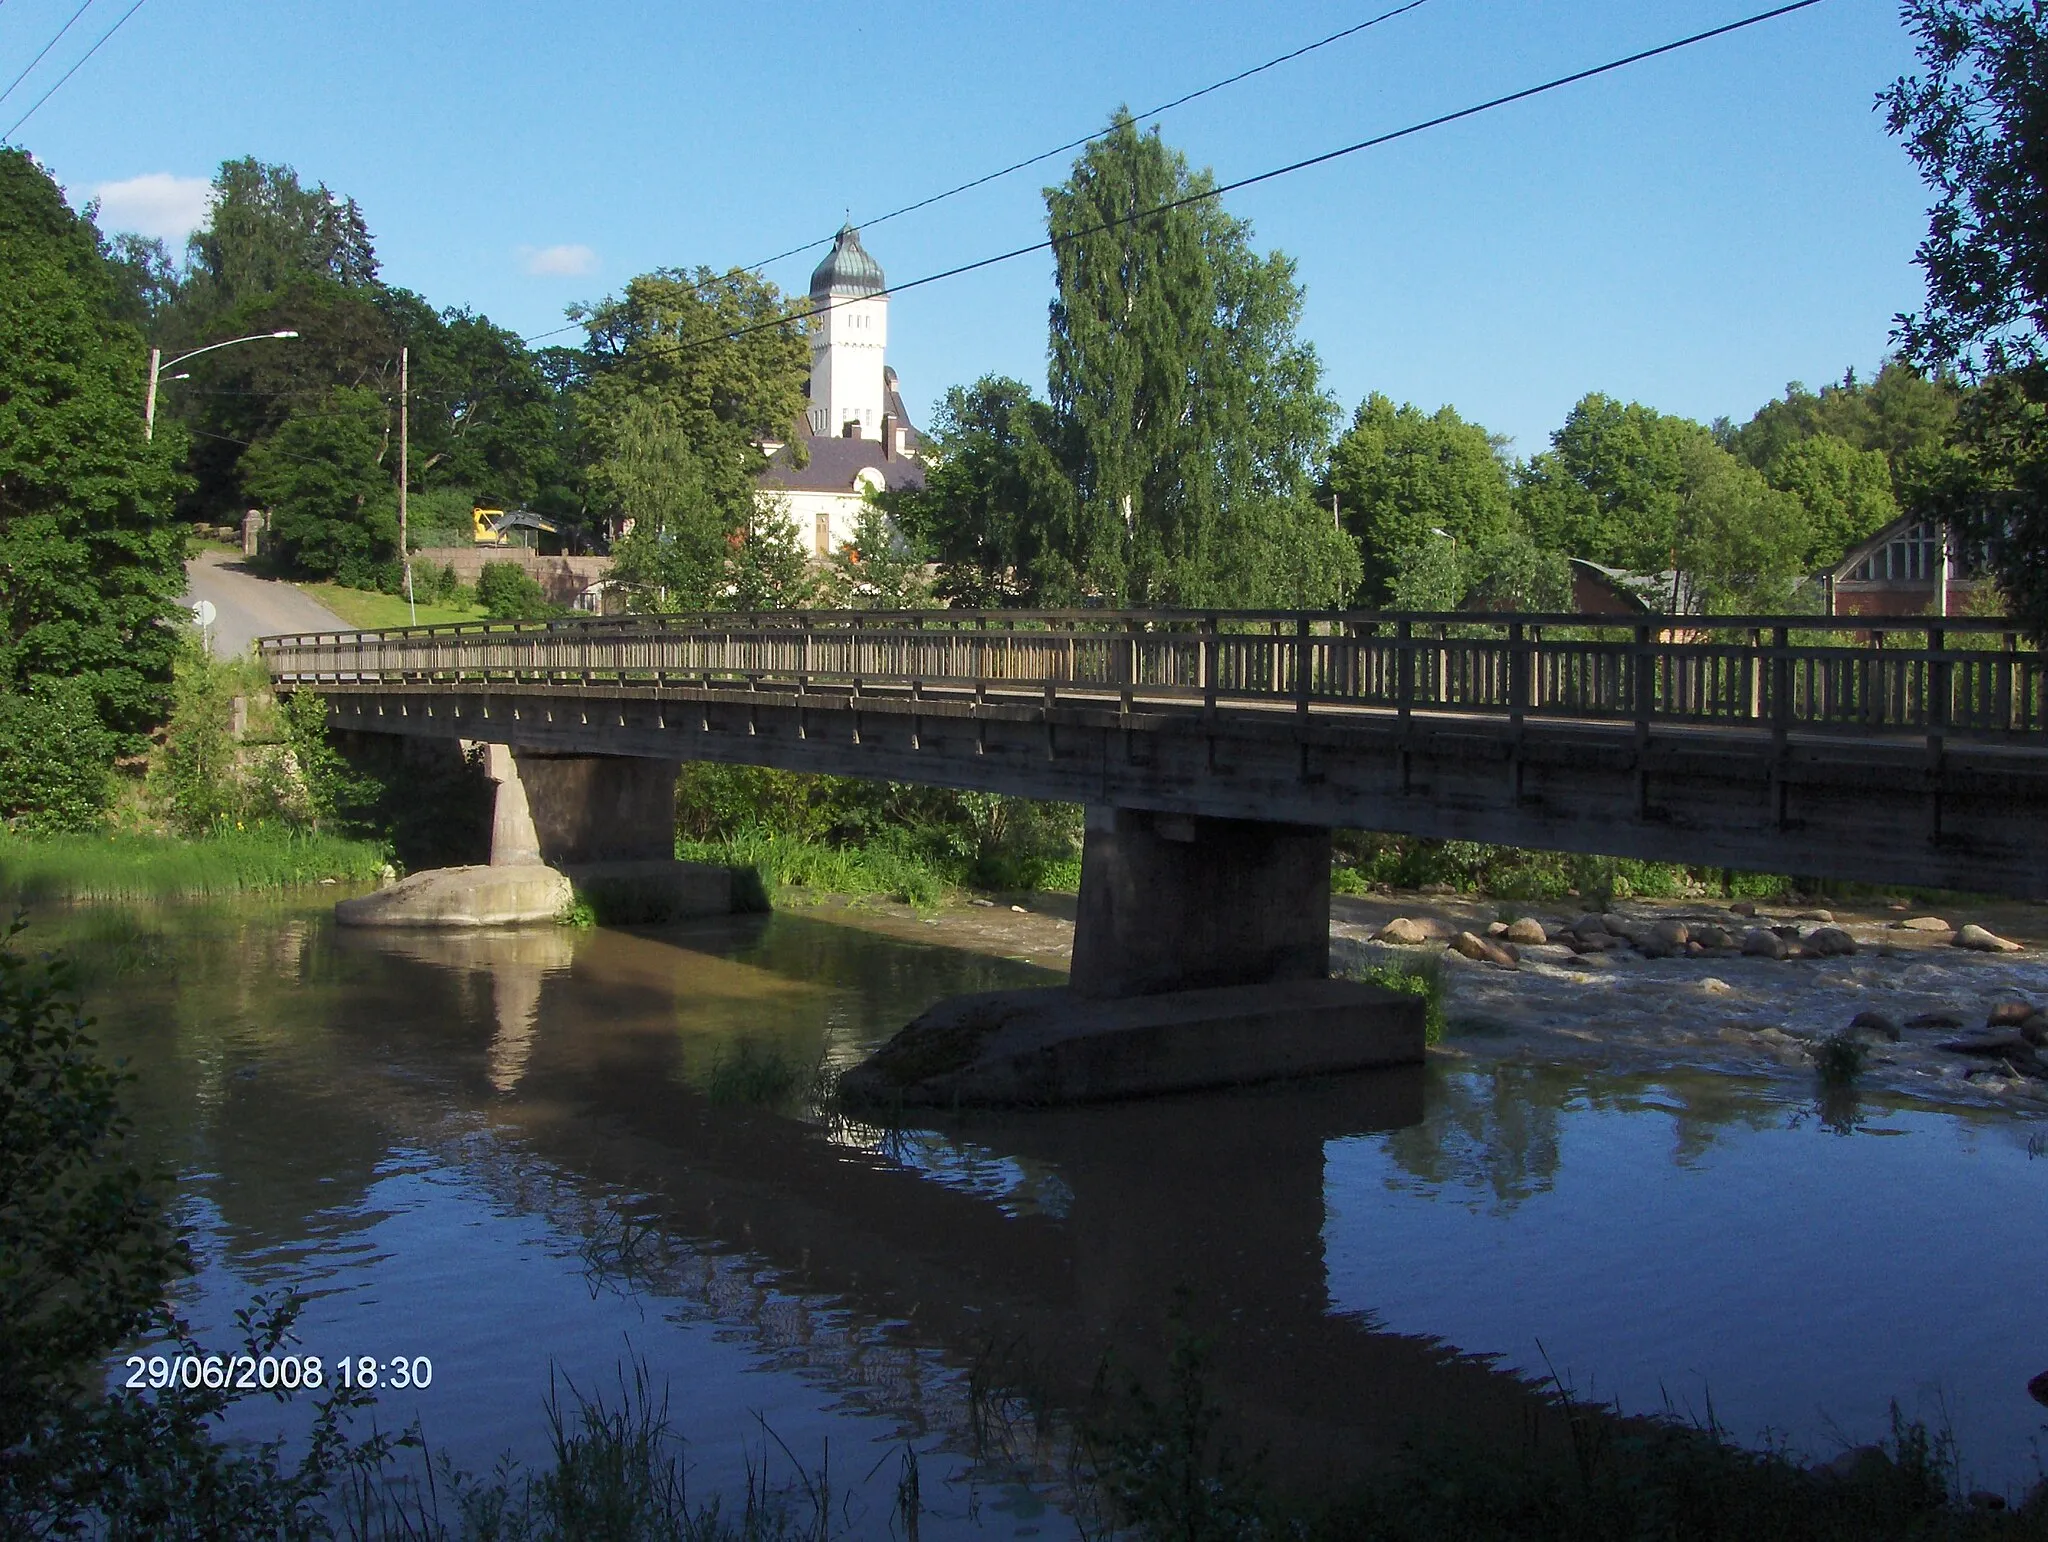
(1912, 750)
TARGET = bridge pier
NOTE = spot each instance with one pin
(574, 810)
(1201, 959)
(1173, 902)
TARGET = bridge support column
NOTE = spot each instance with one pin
(579, 809)
(1201, 959)
(1171, 903)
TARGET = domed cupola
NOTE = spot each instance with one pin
(847, 269)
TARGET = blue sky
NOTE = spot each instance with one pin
(1691, 233)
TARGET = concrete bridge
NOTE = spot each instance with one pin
(1216, 751)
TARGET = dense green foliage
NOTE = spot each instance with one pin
(90, 561)
(54, 759)
(507, 592)
(685, 383)
(1975, 121)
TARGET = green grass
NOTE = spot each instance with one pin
(785, 861)
(130, 867)
(370, 609)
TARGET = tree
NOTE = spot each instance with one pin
(332, 500)
(507, 592)
(879, 569)
(265, 232)
(1975, 121)
(1846, 494)
(1626, 485)
(995, 499)
(767, 566)
(91, 565)
(1899, 413)
(1187, 414)
(1399, 474)
(689, 374)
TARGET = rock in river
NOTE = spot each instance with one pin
(1876, 1022)
(1404, 932)
(1936, 1020)
(1761, 942)
(1484, 949)
(2002, 1041)
(1978, 940)
(1528, 932)
(1829, 942)
(2009, 1014)
(1922, 924)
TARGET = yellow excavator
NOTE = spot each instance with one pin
(496, 527)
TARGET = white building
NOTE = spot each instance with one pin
(857, 434)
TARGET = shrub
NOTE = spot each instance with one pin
(55, 760)
(507, 592)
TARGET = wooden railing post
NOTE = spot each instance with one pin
(1781, 689)
(1404, 671)
(1518, 677)
(1304, 642)
(1128, 665)
(1208, 647)
(1644, 670)
(1940, 684)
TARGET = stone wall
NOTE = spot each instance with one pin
(563, 579)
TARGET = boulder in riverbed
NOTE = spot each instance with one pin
(1998, 1041)
(1762, 942)
(1483, 949)
(1978, 940)
(1922, 924)
(2009, 1014)
(1829, 942)
(2035, 1030)
(1405, 932)
(1527, 932)
(1936, 1020)
(1876, 1022)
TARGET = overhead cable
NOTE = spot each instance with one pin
(684, 345)
(38, 59)
(117, 26)
(1072, 144)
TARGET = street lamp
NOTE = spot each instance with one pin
(157, 364)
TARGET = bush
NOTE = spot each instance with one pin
(55, 760)
(507, 592)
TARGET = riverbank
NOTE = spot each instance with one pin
(127, 866)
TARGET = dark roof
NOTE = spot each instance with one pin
(847, 269)
(835, 463)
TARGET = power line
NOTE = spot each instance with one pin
(1072, 144)
(684, 345)
(117, 26)
(38, 59)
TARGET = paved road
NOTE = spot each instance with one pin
(250, 607)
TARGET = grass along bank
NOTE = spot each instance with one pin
(144, 866)
(373, 610)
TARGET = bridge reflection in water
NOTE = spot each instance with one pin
(1084, 1236)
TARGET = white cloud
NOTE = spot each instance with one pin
(155, 204)
(571, 261)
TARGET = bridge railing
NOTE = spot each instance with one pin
(1941, 677)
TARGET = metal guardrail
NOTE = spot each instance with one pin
(1867, 675)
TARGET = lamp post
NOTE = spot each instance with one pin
(158, 364)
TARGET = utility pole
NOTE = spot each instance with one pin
(404, 470)
(156, 356)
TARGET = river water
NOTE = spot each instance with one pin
(515, 1155)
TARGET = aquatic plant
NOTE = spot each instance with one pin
(753, 1074)
(1838, 1057)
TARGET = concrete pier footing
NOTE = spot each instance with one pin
(1201, 959)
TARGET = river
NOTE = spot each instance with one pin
(509, 1154)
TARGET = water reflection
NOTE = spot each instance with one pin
(505, 1143)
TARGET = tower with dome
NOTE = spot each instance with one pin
(858, 437)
